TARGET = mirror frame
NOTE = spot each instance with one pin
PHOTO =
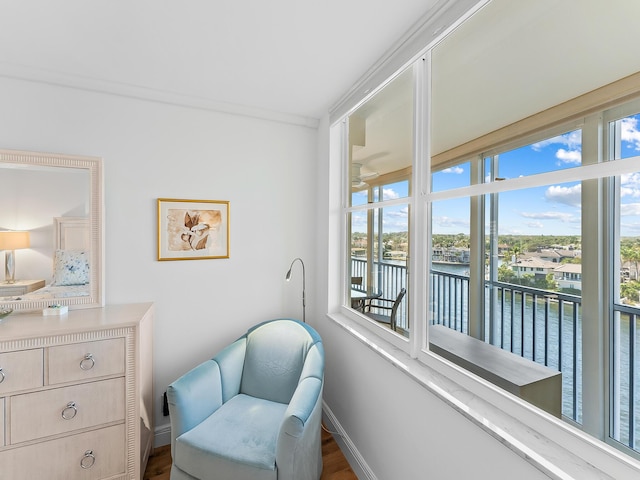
(96, 224)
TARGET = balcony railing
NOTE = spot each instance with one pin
(540, 325)
(625, 341)
(389, 279)
(525, 321)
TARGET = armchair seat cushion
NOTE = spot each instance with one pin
(239, 436)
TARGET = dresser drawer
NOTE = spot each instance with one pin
(20, 370)
(80, 361)
(101, 452)
(40, 414)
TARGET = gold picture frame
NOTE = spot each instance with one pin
(192, 229)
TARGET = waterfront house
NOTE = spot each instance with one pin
(538, 267)
(568, 275)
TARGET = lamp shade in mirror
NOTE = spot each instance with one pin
(14, 240)
(11, 241)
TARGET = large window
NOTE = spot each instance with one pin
(624, 145)
(518, 235)
(549, 225)
(499, 191)
(528, 267)
(380, 156)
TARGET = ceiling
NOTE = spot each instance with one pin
(508, 61)
(385, 142)
(291, 57)
(515, 59)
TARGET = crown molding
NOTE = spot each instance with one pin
(77, 82)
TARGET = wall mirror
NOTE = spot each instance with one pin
(57, 201)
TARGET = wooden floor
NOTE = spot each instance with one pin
(334, 465)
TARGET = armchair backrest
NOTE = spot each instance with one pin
(279, 353)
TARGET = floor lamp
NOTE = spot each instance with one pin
(288, 277)
(10, 241)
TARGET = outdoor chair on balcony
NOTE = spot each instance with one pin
(390, 307)
(356, 284)
(254, 410)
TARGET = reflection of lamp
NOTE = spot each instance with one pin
(303, 284)
(11, 241)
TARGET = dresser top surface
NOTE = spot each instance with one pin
(30, 324)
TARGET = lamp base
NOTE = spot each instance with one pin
(10, 266)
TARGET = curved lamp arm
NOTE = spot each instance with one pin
(288, 277)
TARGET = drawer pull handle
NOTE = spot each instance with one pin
(88, 460)
(69, 411)
(88, 362)
(2, 377)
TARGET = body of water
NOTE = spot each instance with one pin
(547, 331)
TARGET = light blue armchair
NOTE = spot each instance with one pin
(254, 410)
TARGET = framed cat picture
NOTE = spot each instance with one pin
(192, 229)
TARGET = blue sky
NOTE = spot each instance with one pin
(552, 209)
(549, 210)
(394, 219)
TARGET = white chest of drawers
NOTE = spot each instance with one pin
(76, 394)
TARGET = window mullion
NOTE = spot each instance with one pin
(476, 270)
(418, 280)
(594, 311)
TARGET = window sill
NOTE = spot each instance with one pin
(551, 445)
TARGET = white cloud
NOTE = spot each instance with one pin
(629, 192)
(630, 179)
(573, 143)
(630, 209)
(389, 194)
(571, 140)
(535, 225)
(631, 229)
(358, 216)
(630, 185)
(396, 220)
(565, 195)
(457, 170)
(402, 213)
(629, 132)
(565, 217)
(509, 230)
(569, 156)
(445, 221)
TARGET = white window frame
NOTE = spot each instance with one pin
(592, 175)
(397, 340)
(552, 445)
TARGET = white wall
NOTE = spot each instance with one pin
(403, 431)
(150, 150)
(279, 196)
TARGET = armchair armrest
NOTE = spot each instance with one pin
(298, 448)
(301, 406)
(193, 397)
(201, 391)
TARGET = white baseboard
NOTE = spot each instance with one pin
(162, 435)
(351, 453)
